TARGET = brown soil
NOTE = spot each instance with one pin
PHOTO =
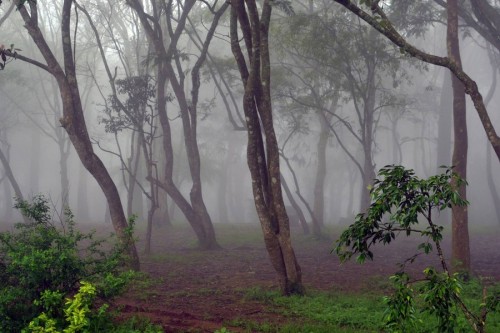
(196, 291)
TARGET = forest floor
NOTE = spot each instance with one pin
(188, 290)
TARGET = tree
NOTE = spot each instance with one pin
(460, 252)
(168, 58)
(262, 149)
(136, 113)
(380, 21)
(399, 199)
(335, 58)
(73, 120)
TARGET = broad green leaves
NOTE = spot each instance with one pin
(399, 198)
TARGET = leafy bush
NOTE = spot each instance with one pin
(42, 262)
(81, 316)
(399, 200)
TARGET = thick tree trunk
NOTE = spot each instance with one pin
(262, 149)
(460, 254)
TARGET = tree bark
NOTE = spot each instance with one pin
(262, 149)
(460, 253)
(445, 122)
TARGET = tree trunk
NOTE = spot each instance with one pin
(35, 161)
(63, 165)
(73, 120)
(387, 29)
(491, 184)
(319, 186)
(295, 205)
(82, 195)
(133, 166)
(368, 167)
(315, 225)
(445, 123)
(262, 149)
(195, 210)
(460, 254)
(10, 176)
(12, 179)
(222, 190)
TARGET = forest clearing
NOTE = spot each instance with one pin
(249, 166)
(189, 290)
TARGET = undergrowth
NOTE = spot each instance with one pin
(326, 312)
(52, 275)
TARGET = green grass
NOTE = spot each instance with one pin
(325, 312)
(132, 325)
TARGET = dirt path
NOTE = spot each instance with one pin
(197, 291)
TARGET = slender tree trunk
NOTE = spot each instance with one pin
(222, 190)
(10, 176)
(35, 161)
(316, 227)
(8, 207)
(460, 254)
(147, 151)
(368, 167)
(63, 165)
(319, 186)
(397, 153)
(133, 166)
(82, 195)
(12, 179)
(295, 205)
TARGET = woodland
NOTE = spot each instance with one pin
(249, 166)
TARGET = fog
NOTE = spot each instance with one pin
(30, 109)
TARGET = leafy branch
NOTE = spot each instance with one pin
(404, 203)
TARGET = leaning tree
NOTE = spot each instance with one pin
(73, 120)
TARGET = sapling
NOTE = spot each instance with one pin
(403, 204)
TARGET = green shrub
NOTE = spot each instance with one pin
(403, 204)
(43, 261)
